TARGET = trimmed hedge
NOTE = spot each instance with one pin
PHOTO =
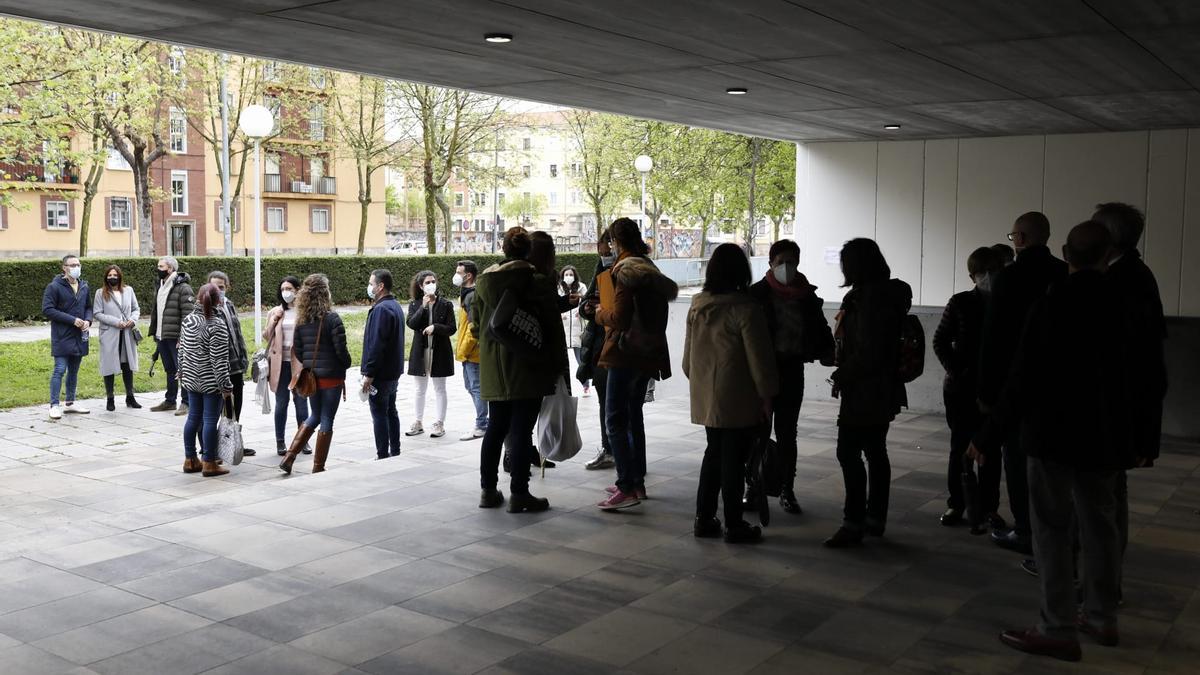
(23, 281)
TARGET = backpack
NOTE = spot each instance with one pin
(912, 349)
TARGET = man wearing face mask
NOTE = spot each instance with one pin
(800, 334)
(591, 341)
(174, 300)
(383, 362)
(466, 350)
(67, 303)
(238, 358)
(956, 342)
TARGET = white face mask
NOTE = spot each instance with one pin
(568, 278)
(74, 272)
(607, 260)
(430, 288)
(371, 291)
(784, 274)
(457, 279)
(288, 296)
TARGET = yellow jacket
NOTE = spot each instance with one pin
(467, 349)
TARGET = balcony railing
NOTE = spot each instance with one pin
(324, 185)
(36, 173)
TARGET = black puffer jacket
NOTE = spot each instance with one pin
(331, 357)
(868, 378)
(180, 302)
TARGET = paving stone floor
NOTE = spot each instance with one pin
(113, 561)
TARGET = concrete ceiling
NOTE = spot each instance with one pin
(816, 69)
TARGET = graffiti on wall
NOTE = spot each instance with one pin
(678, 243)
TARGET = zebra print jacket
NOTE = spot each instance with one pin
(204, 353)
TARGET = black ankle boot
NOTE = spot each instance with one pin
(131, 402)
(787, 501)
(280, 448)
(527, 503)
(110, 406)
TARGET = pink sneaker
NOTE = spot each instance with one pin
(617, 501)
(640, 493)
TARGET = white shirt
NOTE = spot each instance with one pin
(163, 291)
(288, 322)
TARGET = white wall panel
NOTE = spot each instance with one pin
(839, 205)
(1165, 185)
(998, 180)
(1189, 286)
(939, 262)
(899, 207)
(1083, 170)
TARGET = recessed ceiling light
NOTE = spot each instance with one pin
(892, 127)
(498, 37)
(737, 91)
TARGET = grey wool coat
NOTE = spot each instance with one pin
(108, 314)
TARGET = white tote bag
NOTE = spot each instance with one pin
(558, 428)
(229, 441)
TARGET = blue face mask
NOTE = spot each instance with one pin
(74, 272)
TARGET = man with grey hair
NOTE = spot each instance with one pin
(239, 360)
(174, 299)
(1128, 272)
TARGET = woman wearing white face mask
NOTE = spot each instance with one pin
(431, 318)
(284, 368)
(569, 286)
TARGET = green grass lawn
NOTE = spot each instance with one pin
(27, 366)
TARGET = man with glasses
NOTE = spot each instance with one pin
(1014, 292)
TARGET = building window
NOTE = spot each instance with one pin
(527, 143)
(270, 70)
(574, 197)
(458, 199)
(179, 196)
(554, 171)
(553, 199)
(271, 163)
(58, 215)
(316, 169)
(480, 224)
(575, 169)
(116, 161)
(276, 219)
(316, 78)
(272, 103)
(235, 216)
(3, 217)
(175, 60)
(320, 219)
(478, 199)
(527, 171)
(500, 199)
(178, 131)
(316, 122)
(120, 212)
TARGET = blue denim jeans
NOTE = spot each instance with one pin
(385, 418)
(68, 365)
(471, 380)
(203, 412)
(324, 405)
(282, 394)
(168, 351)
(625, 426)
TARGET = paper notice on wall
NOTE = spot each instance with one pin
(833, 255)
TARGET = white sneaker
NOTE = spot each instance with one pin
(478, 433)
(415, 430)
(438, 430)
(55, 412)
(76, 409)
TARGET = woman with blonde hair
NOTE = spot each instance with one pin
(319, 344)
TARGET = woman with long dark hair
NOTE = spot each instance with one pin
(431, 359)
(320, 344)
(731, 371)
(116, 310)
(570, 287)
(280, 334)
(204, 375)
(635, 352)
(867, 381)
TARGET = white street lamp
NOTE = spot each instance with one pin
(644, 165)
(257, 122)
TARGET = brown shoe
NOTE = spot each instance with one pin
(211, 469)
(322, 451)
(304, 433)
(1033, 642)
(1105, 637)
(192, 465)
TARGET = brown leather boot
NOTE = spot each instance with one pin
(304, 433)
(321, 451)
(211, 469)
(192, 465)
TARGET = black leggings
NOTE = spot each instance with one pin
(126, 378)
(722, 473)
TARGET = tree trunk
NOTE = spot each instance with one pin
(775, 229)
(444, 206)
(599, 222)
(754, 151)
(141, 186)
(430, 207)
(364, 199)
(90, 188)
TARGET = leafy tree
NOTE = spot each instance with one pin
(776, 193)
(393, 202)
(604, 168)
(525, 208)
(447, 126)
(367, 131)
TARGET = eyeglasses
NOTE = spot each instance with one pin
(1012, 236)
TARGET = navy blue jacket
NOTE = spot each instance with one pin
(62, 307)
(383, 341)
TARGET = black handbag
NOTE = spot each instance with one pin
(515, 327)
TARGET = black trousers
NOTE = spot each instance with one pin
(239, 383)
(964, 419)
(786, 415)
(1016, 474)
(600, 384)
(126, 378)
(867, 486)
(513, 420)
(723, 473)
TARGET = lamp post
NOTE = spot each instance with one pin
(644, 165)
(257, 122)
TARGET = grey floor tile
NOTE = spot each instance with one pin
(193, 652)
(280, 660)
(637, 632)
(355, 563)
(708, 650)
(459, 651)
(295, 551)
(408, 581)
(137, 565)
(696, 598)
(69, 613)
(120, 634)
(45, 586)
(243, 597)
(891, 635)
(474, 597)
(372, 635)
(306, 614)
(542, 661)
(192, 579)
(29, 660)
